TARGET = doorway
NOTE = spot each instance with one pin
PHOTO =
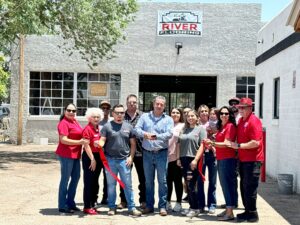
(179, 91)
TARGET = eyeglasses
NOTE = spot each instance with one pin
(119, 113)
(71, 110)
(224, 113)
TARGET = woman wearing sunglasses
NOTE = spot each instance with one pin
(69, 152)
(226, 159)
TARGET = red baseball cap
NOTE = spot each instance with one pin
(245, 102)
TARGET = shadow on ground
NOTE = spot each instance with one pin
(288, 206)
(33, 157)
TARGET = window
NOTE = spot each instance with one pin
(172, 100)
(50, 92)
(276, 98)
(245, 87)
(261, 98)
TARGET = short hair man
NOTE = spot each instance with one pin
(118, 138)
(155, 128)
(132, 115)
(233, 102)
(250, 152)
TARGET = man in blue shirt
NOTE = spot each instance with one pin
(155, 128)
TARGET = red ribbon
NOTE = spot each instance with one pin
(200, 166)
(105, 163)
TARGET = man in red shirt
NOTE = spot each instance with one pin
(250, 152)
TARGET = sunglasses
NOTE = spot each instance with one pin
(224, 113)
(71, 110)
(119, 113)
(105, 108)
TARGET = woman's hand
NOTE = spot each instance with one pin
(93, 165)
(193, 164)
(178, 162)
(84, 141)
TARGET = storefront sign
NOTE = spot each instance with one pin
(179, 23)
(98, 89)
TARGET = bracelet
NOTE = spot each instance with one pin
(213, 143)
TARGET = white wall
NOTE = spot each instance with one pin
(283, 134)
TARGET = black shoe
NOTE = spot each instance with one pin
(253, 217)
(66, 210)
(75, 209)
(186, 198)
(242, 217)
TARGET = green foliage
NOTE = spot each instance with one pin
(93, 26)
(4, 79)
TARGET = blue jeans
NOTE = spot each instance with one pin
(211, 163)
(156, 160)
(227, 174)
(195, 184)
(69, 168)
(119, 166)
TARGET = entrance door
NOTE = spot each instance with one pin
(180, 91)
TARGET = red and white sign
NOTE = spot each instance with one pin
(179, 23)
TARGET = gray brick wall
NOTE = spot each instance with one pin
(226, 49)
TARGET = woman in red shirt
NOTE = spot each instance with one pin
(226, 159)
(69, 152)
(91, 161)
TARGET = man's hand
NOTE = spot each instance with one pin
(149, 136)
(129, 161)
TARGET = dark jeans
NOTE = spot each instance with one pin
(211, 163)
(90, 179)
(174, 174)
(195, 185)
(249, 174)
(227, 177)
(138, 163)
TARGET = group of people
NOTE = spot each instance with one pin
(177, 148)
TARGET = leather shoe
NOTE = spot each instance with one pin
(75, 208)
(252, 217)
(147, 211)
(66, 210)
(241, 217)
(226, 217)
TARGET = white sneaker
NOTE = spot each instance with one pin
(192, 213)
(177, 207)
(168, 206)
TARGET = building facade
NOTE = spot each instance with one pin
(278, 95)
(206, 69)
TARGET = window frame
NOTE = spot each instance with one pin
(276, 97)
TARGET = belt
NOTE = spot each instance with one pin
(155, 151)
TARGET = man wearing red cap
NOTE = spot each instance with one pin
(250, 152)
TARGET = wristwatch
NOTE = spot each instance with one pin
(238, 145)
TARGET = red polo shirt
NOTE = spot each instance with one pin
(73, 130)
(247, 130)
(227, 132)
(92, 134)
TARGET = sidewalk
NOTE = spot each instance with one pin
(29, 185)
